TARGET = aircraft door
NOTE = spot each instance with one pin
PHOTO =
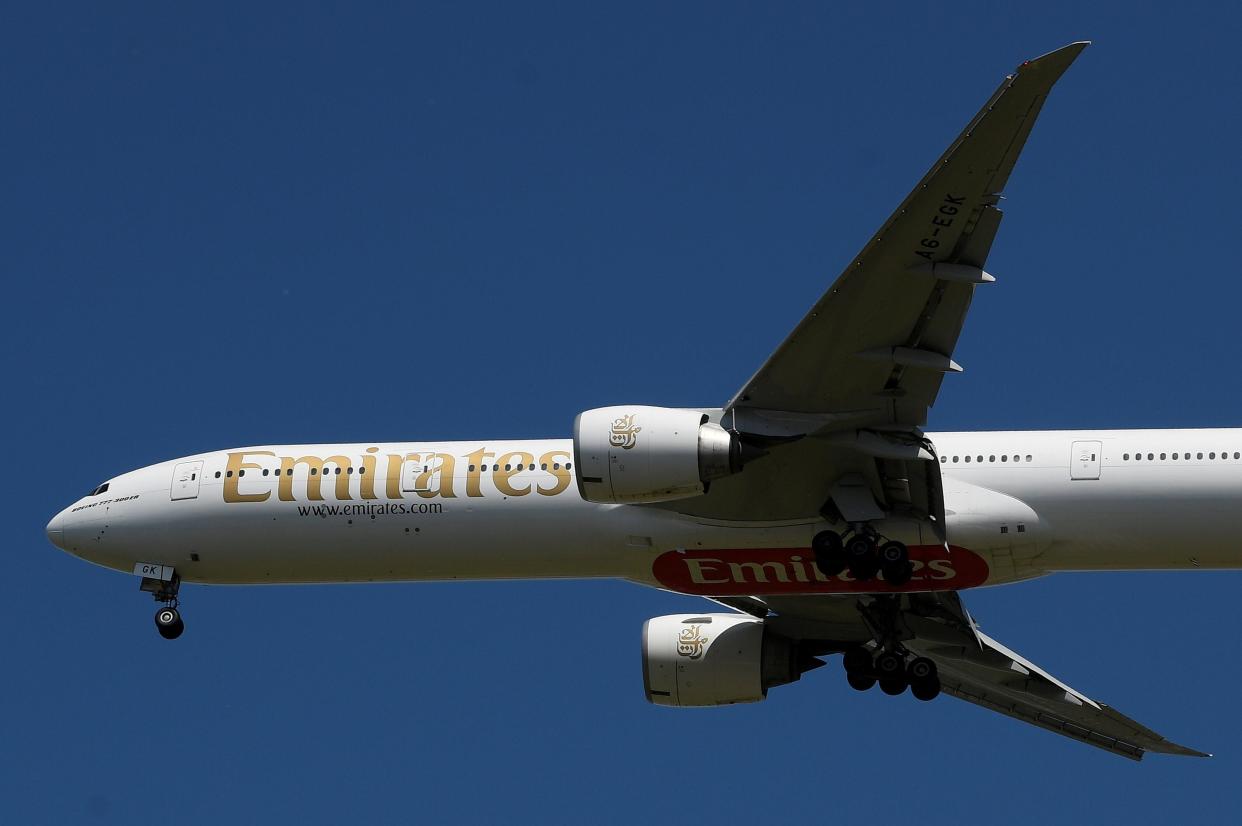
(1085, 460)
(186, 478)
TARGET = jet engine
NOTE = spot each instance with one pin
(716, 659)
(650, 454)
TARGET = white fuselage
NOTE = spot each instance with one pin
(1019, 504)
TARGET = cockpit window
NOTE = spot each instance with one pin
(101, 489)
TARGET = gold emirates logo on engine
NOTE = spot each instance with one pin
(253, 475)
(624, 433)
(690, 642)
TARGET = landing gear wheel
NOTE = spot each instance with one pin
(859, 545)
(863, 562)
(894, 552)
(892, 686)
(897, 573)
(857, 661)
(924, 678)
(890, 666)
(169, 623)
(829, 553)
(859, 682)
(921, 670)
(895, 563)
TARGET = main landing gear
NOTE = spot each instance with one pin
(864, 553)
(892, 671)
(167, 619)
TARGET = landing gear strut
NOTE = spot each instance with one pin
(864, 554)
(167, 619)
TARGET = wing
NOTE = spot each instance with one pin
(877, 344)
(859, 372)
(972, 666)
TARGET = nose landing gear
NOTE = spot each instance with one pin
(168, 620)
(169, 623)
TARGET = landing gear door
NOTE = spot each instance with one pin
(186, 478)
(1085, 460)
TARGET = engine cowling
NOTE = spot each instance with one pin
(650, 454)
(716, 659)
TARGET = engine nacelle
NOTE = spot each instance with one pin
(715, 659)
(650, 454)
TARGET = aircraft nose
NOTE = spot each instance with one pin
(56, 530)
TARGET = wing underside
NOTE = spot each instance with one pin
(972, 666)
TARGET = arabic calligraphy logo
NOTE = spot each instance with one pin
(624, 432)
(690, 642)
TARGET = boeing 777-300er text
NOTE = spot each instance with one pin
(812, 505)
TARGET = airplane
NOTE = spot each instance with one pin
(813, 505)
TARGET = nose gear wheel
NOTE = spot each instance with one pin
(168, 621)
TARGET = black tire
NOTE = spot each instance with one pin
(863, 562)
(925, 691)
(829, 553)
(167, 617)
(897, 574)
(890, 666)
(893, 687)
(894, 552)
(860, 545)
(921, 670)
(860, 682)
(864, 569)
(858, 661)
(171, 632)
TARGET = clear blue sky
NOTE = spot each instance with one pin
(256, 224)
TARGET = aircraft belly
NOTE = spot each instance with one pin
(447, 540)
